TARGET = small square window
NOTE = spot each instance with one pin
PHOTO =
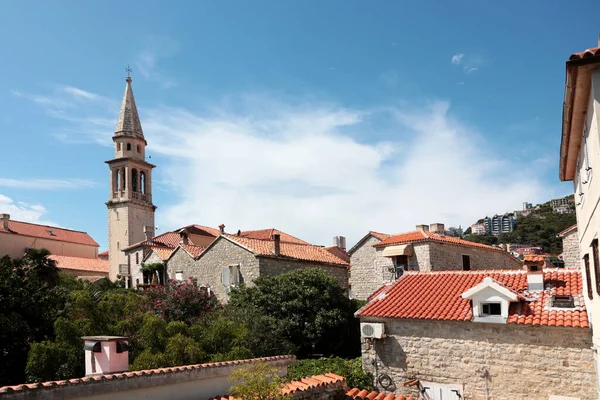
(179, 275)
(491, 309)
(563, 301)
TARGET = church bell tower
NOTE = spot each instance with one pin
(130, 208)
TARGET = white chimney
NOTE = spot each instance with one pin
(5, 218)
(535, 277)
(437, 228)
(105, 354)
(340, 241)
(148, 233)
(423, 228)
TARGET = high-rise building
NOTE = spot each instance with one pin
(499, 224)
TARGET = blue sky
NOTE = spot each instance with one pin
(319, 118)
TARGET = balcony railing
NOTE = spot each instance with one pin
(123, 269)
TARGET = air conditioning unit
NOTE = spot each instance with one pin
(372, 330)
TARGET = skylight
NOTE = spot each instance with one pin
(563, 301)
(51, 233)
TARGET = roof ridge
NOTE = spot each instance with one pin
(48, 226)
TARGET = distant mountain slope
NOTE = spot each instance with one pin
(538, 228)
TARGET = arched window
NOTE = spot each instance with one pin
(128, 146)
(138, 148)
(118, 179)
(143, 182)
(123, 181)
(137, 258)
(134, 180)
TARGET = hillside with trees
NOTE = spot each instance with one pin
(539, 228)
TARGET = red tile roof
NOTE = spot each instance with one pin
(192, 250)
(567, 231)
(437, 296)
(173, 238)
(380, 236)
(267, 234)
(304, 252)
(338, 252)
(143, 374)
(80, 263)
(43, 231)
(359, 394)
(103, 255)
(301, 385)
(594, 51)
(420, 236)
(536, 257)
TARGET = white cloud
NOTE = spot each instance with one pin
(45, 184)
(318, 169)
(79, 93)
(301, 169)
(457, 58)
(147, 60)
(468, 70)
(23, 211)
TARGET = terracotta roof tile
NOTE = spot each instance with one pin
(437, 296)
(172, 239)
(132, 375)
(163, 252)
(192, 250)
(80, 263)
(380, 236)
(267, 234)
(48, 232)
(420, 236)
(359, 394)
(594, 51)
(289, 250)
(566, 231)
(338, 252)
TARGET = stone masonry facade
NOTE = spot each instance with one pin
(273, 266)
(488, 361)
(370, 269)
(571, 255)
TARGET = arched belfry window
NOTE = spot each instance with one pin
(139, 149)
(143, 182)
(118, 180)
(128, 146)
(123, 180)
(134, 180)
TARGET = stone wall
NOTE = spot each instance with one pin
(489, 361)
(180, 261)
(364, 275)
(571, 255)
(223, 253)
(275, 266)
(449, 257)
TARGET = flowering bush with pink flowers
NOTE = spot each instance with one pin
(179, 301)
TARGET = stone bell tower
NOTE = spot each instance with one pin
(130, 208)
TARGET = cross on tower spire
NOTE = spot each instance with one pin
(128, 71)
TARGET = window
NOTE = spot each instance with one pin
(400, 265)
(138, 148)
(491, 309)
(563, 301)
(128, 146)
(588, 276)
(596, 264)
(137, 258)
(466, 262)
(231, 276)
(118, 146)
(179, 275)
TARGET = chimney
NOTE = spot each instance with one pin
(535, 276)
(423, 228)
(5, 218)
(276, 243)
(222, 228)
(340, 241)
(437, 228)
(148, 233)
(184, 236)
(105, 354)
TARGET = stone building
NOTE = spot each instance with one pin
(476, 335)
(570, 241)
(130, 208)
(379, 258)
(231, 260)
(579, 159)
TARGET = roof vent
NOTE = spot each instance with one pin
(222, 228)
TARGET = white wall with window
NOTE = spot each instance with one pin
(231, 276)
(490, 301)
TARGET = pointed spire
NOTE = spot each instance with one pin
(129, 120)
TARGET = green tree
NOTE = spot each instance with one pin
(309, 307)
(259, 381)
(351, 369)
